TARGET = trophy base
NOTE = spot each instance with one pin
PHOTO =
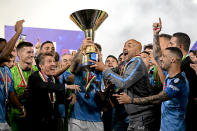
(90, 56)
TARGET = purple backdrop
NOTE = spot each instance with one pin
(194, 47)
(66, 40)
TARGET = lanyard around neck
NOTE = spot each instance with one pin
(5, 81)
(21, 74)
(52, 96)
(184, 57)
(89, 79)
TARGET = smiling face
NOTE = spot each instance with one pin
(26, 55)
(131, 49)
(48, 66)
(48, 48)
(66, 59)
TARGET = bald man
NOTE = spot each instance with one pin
(132, 78)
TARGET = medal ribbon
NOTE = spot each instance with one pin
(89, 80)
(52, 94)
(5, 81)
(156, 77)
(123, 68)
(184, 57)
(21, 74)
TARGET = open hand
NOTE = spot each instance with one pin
(100, 66)
(37, 46)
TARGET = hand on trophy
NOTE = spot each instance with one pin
(86, 42)
(157, 27)
(99, 66)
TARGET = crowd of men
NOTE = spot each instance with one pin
(149, 90)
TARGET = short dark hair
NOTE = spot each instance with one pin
(23, 44)
(46, 42)
(57, 57)
(120, 55)
(166, 36)
(145, 52)
(41, 57)
(98, 46)
(176, 51)
(2, 40)
(183, 38)
(193, 51)
(148, 46)
(112, 57)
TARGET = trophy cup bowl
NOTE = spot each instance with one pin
(88, 20)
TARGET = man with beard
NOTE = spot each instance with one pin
(174, 96)
(135, 83)
(46, 47)
(20, 75)
(182, 41)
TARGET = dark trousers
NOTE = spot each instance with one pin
(191, 117)
(107, 120)
(144, 122)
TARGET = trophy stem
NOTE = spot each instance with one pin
(89, 33)
(89, 20)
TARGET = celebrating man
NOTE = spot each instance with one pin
(134, 81)
(45, 95)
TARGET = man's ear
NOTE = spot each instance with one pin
(181, 46)
(173, 60)
(41, 66)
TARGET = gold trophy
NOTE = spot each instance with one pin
(89, 20)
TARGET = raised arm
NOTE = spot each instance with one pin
(130, 77)
(75, 65)
(10, 45)
(156, 45)
(162, 77)
(58, 72)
